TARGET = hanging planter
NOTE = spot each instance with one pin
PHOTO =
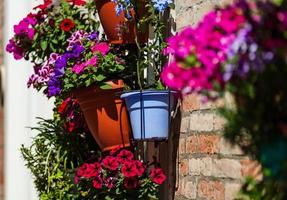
(118, 29)
(150, 113)
(105, 114)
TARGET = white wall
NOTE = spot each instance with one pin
(21, 108)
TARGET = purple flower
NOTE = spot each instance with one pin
(41, 76)
(77, 50)
(61, 63)
(54, 87)
(94, 36)
(76, 38)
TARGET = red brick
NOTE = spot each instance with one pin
(191, 144)
(183, 167)
(213, 190)
(182, 145)
(209, 143)
(190, 103)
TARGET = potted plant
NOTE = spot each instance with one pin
(240, 51)
(90, 71)
(119, 175)
(149, 104)
(63, 43)
(48, 27)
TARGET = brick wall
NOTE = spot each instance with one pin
(209, 167)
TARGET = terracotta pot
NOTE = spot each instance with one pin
(105, 114)
(117, 28)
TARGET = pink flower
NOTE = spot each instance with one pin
(17, 51)
(21, 28)
(30, 33)
(91, 62)
(101, 47)
(78, 68)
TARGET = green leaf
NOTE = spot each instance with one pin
(44, 45)
(100, 77)
(106, 87)
(278, 2)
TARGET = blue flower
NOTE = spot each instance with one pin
(161, 5)
(123, 6)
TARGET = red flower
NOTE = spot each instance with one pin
(157, 176)
(129, 169)
(139, 167)
(70, 126)
(67, 24)
(77, 2)
(63, 106)
(89, 170)
(110, 162)
(131, 183)
(81, 170)
(97, 166)
(125, 155)
(43, 6)
(98, 182)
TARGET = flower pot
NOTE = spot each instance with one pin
(118, 29)
(105, 114)
(149, 113)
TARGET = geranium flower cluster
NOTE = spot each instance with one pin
(120, 171)
(70, 113)
(197, 54)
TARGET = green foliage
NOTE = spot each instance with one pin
(52, 158)
(264, 190)
(108, 68)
